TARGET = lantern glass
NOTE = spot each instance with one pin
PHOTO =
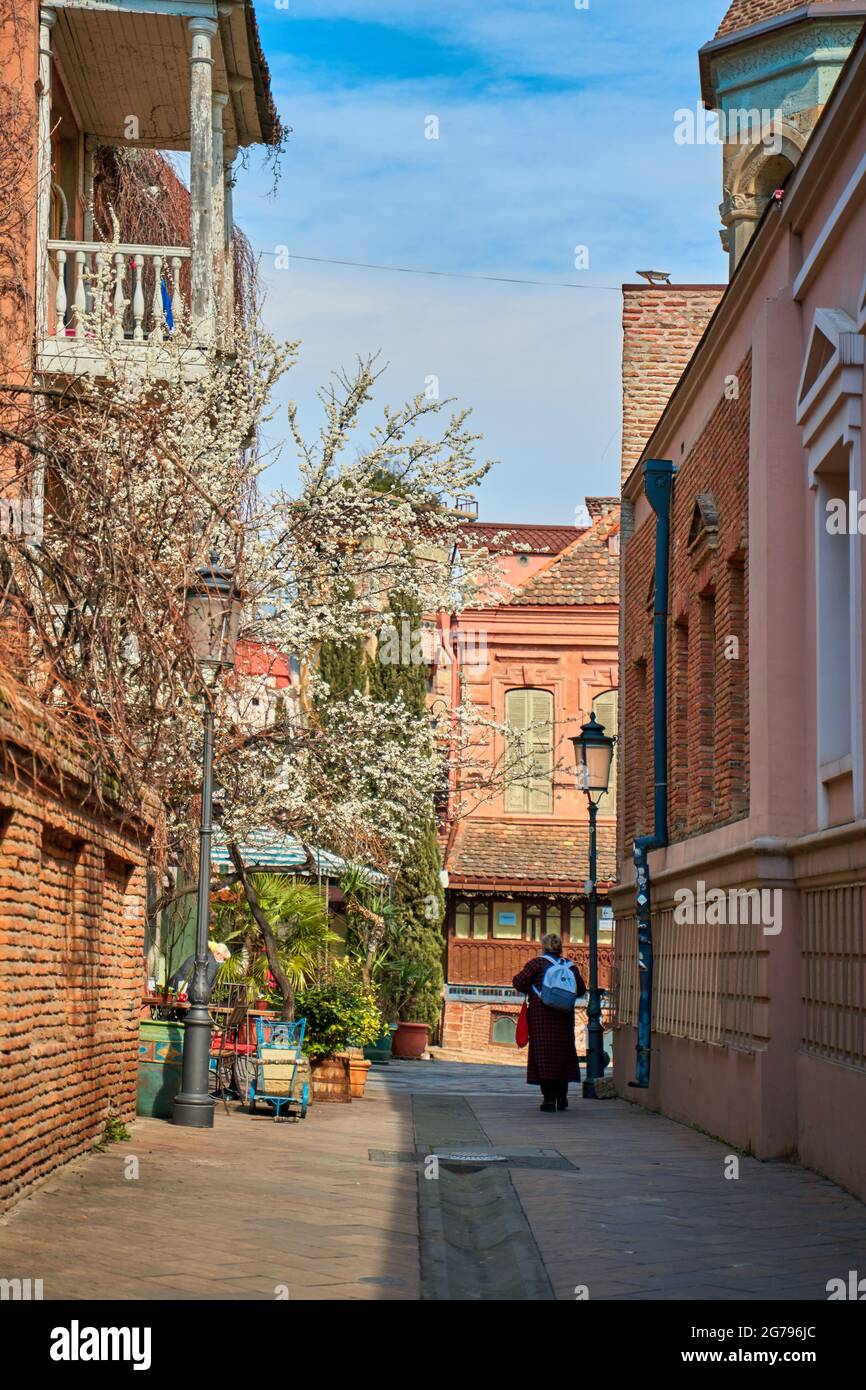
(213, 609)
(593, 752)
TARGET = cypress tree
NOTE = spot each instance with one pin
(418, 894)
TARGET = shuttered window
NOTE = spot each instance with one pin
(605, 708)
(529, 770)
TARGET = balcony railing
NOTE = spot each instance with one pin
(474, 961)
(142, 289)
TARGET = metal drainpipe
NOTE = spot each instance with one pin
(658, 478)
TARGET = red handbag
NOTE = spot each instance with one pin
(521, 1033)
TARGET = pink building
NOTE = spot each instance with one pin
(759, 997)
(517, 861)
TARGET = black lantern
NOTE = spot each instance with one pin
(213, 611)
(593, 753)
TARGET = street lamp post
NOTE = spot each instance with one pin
(593, 752)
(212, 617)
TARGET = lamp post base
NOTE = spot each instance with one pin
(196, 1112)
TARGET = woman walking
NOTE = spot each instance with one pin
(552, 1060)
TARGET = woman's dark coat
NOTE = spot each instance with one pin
(552, 1053)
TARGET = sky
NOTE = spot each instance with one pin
(555, 132)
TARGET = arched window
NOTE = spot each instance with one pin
(529, 766)
(503, 1029)
(552, 920)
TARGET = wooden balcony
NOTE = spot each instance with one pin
(475, 961)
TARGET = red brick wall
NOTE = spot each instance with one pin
(72, 910)
(466, 1028)
(744, 13)
(707, 684)
(662, 326)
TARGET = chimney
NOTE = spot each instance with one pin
(662, 326)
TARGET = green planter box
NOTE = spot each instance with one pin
(380, 1050)
(160, 1064)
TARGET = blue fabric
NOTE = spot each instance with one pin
(166, 305)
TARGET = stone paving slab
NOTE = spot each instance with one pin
(651, 1209)
(644, 1212)
(238, 1212)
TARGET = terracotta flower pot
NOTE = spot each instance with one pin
(331, 1078)
(411, 1039)
(358, 1068)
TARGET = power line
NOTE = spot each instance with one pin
(451, 274)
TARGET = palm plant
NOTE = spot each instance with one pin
(298, 919)
(370, 921)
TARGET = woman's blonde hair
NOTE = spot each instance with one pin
(552, 944)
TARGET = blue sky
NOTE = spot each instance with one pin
(555, 131)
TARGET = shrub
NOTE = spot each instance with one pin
(340, 1010)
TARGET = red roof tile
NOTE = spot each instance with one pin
(506, 536)
(586, 572)
(511, 855)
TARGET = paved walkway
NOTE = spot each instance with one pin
(604, 1200)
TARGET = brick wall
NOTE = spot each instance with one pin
(708, 654)
(744, 13)
(72, 910)
(662, 326)
(466, 1028)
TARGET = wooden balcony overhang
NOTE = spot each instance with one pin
(122, 59)
(566, 888)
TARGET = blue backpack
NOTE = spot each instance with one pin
(559, 986)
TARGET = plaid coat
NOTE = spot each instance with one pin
(552, 1053)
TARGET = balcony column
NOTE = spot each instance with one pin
(47, 20)
(89, 155)
(228, 236)
(218, 210)
(201, 147)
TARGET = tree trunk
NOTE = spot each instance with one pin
(264, 927)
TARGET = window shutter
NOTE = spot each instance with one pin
(533, 792)
(541, 787)
(605, 708)
(517, 718)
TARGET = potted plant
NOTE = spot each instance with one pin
(342, 1017)
(406, 982)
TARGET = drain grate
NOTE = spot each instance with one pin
(470, 1158)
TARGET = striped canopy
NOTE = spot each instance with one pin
(268, 850)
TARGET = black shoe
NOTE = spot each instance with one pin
(548, 1106)
(562, 1105)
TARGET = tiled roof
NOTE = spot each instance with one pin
(505, 535)
(744, 13)
(511, 855)
(586, 572)
(272, 129)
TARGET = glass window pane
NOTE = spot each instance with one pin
(461, 921)
(533, 922)
(577, 923)
(503, 1029)
(506, 922)
(479, 920)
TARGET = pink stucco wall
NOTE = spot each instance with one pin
(780, 1098)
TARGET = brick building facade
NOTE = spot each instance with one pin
(517, 861)
(758, 895)
(73, 888)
